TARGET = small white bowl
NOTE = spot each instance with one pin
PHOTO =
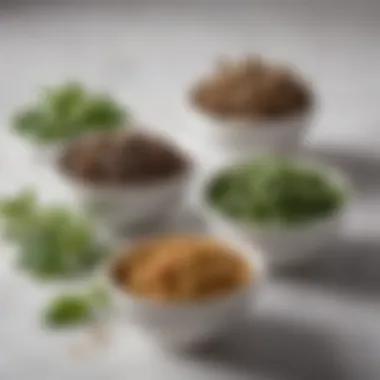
(282, 245)
(242, 137)
(189, 324)
(117, 209)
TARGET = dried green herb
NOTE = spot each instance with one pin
(275, 191)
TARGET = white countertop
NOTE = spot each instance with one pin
(147, 55)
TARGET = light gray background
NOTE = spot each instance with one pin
(319, 321)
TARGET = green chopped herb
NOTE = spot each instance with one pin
(68, 111)
(275, 191)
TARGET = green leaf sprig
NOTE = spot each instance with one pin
(68, 111)
(52, 242)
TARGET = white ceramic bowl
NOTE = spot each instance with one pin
(117, 209)
(282, 245)
(248, 137)
(189, 324)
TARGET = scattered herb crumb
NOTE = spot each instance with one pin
(72, 309)
(68, 310)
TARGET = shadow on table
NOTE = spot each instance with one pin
(278, 349)
(348, 265)
(362, 170)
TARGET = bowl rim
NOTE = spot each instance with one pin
(333, 174)
(130, 188)
(253, 256)
(226, 121)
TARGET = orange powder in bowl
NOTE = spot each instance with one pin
(181, 269)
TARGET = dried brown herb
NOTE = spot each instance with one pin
(252, 88)
(122, 158)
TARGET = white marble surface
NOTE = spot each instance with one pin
(322, 327)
